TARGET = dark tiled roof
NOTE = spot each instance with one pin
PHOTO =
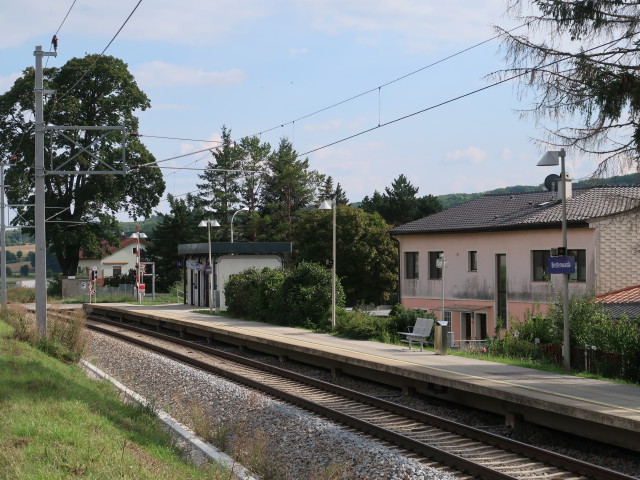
(526, 210)
(239, 248)
(617, 310)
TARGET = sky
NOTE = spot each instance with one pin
(265, 67)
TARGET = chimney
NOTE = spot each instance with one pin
(567, 183)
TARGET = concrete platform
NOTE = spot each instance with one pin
(605, 411)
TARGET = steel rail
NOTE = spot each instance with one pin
(574, 466)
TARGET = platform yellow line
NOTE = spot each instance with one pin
(502, 382)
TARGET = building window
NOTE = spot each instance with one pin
(411, 265)
(473, 261)
(435, 273)
(117, 270)
(447, 316)
(540, 263)
(580, 274)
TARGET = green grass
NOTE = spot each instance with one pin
(55, 423)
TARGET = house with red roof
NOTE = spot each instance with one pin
(116, 260)
(497, 248)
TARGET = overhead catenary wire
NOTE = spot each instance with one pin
(354, 97)
(98, 56)
(404, 117)
(525, 71)
(390, 82)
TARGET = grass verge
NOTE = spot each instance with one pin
(55, 423)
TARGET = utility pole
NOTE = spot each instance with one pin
(41, 241)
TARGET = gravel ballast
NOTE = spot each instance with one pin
(297, 444)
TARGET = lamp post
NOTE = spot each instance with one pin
(243, 209)
(325, 206)
(549, 159)
(209, 224)
(138, 235)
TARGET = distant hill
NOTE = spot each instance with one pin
(453, 199)
(146, 226)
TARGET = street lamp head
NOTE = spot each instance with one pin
(138, 235)
(551, 158)
(206, 223)
(325, 205)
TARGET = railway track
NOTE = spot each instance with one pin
(475, 452)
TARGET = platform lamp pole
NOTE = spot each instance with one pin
(243, 209)
(325, 206)
(549, 159)
(212, 299)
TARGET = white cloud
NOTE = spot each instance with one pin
(417, 25)
(298, 51)
(470, 154)
(188, 22)
(6, 81)
(163, 74)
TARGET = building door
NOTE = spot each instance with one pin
(481, 326)
(501, 289)
(466, 319)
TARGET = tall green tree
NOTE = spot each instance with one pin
(366, 256)
(399, 203)
(91, 91)
(327, 191)
(178, 226)
(221, 188)
(580, 61)
(288, 187)
(254, 159)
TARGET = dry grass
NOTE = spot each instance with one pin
(22, 248)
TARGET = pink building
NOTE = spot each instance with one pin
(497, 248)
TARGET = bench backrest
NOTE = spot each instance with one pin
(423, 326)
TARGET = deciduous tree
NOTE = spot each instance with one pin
(91, 91)
(366, 255)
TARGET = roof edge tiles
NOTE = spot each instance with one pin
(526, 211)
(238, 248)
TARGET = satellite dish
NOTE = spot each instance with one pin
(551, 182)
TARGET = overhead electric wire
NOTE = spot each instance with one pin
(65, 17)
(100, 55)
(178, 138)
(478, 90)
(402, 77)
(460, 52)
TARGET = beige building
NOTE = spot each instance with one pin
(497, 250)
(116, 260)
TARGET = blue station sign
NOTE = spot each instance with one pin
(561, 265)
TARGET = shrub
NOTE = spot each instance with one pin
(306, 292)
(360, 325)
(267, 298)
(54, 285)
(240, 290)
(546, 329)
(405, 318)
(300, 296)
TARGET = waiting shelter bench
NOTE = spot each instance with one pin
(419, 333)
